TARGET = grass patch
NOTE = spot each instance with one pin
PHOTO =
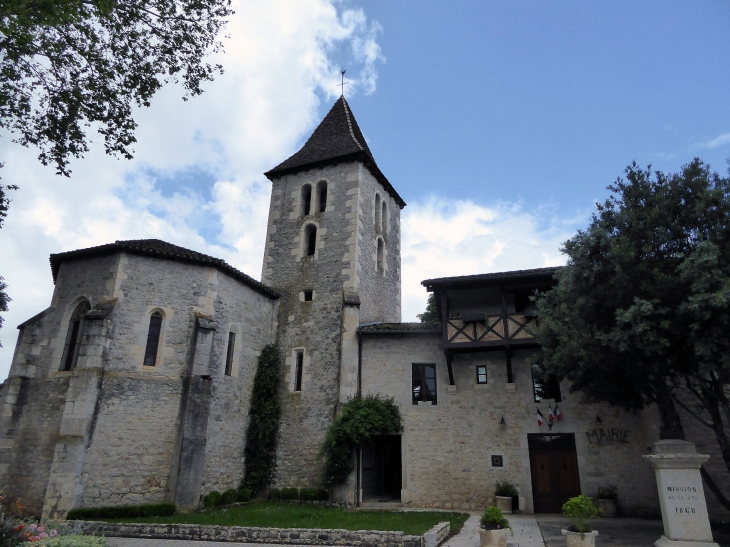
(286, 515)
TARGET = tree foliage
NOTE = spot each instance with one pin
(360, 421)
(431, 315)
(642, 307)
(67, 65)
(263, 425)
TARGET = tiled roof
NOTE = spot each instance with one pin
(400, 328)
(337, 139)
(162, 249)
(536, 272)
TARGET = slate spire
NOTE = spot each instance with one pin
(337, 139)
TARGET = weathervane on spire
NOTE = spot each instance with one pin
(344, 83)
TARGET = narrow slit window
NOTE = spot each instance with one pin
(153, 340)
(229, 353)
(384, 218)
(306, 199)
(298, 372)
(322, 191)
(311, 233)
(73, 338)
(378, 212)
(381, 253)
(308, 295)
(481, 374)
(424, 383)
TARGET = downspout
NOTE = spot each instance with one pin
(359, 395)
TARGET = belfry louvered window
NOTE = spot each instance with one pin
(73, 337)
(153, 339)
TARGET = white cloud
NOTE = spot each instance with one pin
(279, 64)
(444, 238)
(718, 141)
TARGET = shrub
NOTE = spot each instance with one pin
(493, 519)
(322, 494)
(245, 494)
(229, 496)
(289, 494)
(507, 490)
(213, 499)
(274, 494)
(69, 541)
(608, 492)
(580, 510)
(308, 494)
(359, 421)
(122, 511)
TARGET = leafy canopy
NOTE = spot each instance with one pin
(643, 301)
(360, 421)
(68, 65)
(431, 315)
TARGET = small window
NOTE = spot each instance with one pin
(229, 352)
(545, 386)
(481, 374)
(310, 233)
(384, 218)
(378, 212)
(73, 337)
(381, 257)
(306, 199)
(424, 383)
(308, 294)
(153, 339)
(322, 194)
(298, 371)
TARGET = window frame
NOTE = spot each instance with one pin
(74, 336)
(230, 352)
(306, 199)
(149, 354)
(322, 196)
(486, 376)
(298, 371)
(418, 373)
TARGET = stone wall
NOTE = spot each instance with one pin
(447, 447)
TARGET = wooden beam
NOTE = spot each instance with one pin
(449, 358)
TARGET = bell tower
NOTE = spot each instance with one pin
(333, 252)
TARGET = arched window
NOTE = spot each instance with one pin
(73, 337)
(310, 239)
(306, 199)
(381, 253)
(384, 218)
(322, 195)
(153, 339)
(378, 211)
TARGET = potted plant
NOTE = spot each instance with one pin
(607, 497)
(580, 510)
(505, 493)
(493, 529)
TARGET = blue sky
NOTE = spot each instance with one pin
(500, 124)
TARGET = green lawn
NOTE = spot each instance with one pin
(284, 515)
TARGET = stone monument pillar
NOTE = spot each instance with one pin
(684, 511)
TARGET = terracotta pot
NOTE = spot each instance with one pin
(608, 507)
(504, 503)
(493, 538)
(576, 539)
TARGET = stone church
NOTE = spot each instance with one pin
(134, 385)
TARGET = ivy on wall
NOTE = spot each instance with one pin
(263, 424)
(360, 421)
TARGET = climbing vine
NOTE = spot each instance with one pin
(359, 422)
(263, 424)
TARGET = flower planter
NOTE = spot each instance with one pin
(493, 538)
(576, 539)
(504, 503)
(608, 507)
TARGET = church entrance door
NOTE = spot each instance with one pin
(381, 469)
(554, 469)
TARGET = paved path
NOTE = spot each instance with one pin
(525, 528)
(139, 542)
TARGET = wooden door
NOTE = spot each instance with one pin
(554, 469)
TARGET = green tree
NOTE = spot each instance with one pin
(70, 65)
(431, 315)
(4, 202)
(642, 307)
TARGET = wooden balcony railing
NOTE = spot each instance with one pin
(518, 328)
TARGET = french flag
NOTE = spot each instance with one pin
(540, 418)
(558, 414)
(551, 416)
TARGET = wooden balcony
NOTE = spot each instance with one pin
(496, 330)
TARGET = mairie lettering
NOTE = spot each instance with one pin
(607, 435)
